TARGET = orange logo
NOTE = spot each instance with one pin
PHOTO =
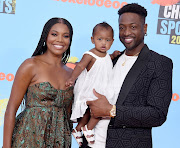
(9, 77)
(165, 2)
(99, 3)
(175, 97)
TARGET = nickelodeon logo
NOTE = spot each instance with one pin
(99, 3)
(8, 77)
(8, 6)
(175, 97)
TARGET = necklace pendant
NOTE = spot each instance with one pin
(123, 63)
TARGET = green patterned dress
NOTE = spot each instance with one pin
(45, 122)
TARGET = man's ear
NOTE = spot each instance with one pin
(145, 28)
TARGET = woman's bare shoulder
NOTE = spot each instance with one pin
(28, 63)
(33, 61)
(29, 66)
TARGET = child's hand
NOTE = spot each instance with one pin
(115, 54)
(69, 82)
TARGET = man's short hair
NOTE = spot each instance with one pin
(133, 8)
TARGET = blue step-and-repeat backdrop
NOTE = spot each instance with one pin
(21, 24)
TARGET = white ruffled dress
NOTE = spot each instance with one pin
(99, 77)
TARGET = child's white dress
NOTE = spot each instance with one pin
(98, 78)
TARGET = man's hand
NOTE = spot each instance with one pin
(100, 107)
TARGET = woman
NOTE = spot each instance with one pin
(45, 122)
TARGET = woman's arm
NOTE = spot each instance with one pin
(22, 80)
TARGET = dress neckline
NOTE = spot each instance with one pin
(46, 82)
(96, 56)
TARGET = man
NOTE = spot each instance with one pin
(144, 79)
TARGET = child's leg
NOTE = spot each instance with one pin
(92, 123)
(84, 120)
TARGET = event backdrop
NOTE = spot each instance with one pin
(21, 24)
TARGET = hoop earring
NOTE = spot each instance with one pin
(44, 44)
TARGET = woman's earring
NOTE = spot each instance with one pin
(44, 43)
(145, 34)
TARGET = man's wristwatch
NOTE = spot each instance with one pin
(113, 111)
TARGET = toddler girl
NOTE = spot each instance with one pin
(93, 72)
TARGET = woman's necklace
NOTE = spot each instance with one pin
(128, 58)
